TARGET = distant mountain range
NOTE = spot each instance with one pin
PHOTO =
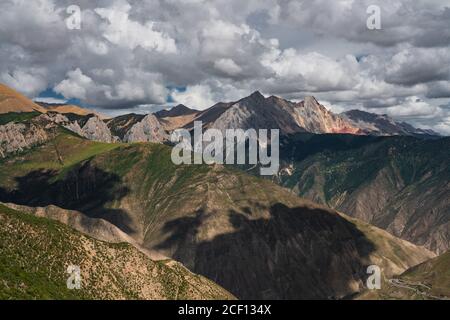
(372, 123)
(254, 111)
(177, 111)
(69, 109)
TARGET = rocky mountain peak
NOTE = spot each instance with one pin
(179, 110)
(255, 97)
(310, 100)
(149, 129)
(312, 103)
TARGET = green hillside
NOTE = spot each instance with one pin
(17, 117)
(35, 254)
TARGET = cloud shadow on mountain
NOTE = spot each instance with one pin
(87, 189)
(297, 253)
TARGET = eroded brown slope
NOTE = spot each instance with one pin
(12, 101)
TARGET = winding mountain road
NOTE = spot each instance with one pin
(399, 283)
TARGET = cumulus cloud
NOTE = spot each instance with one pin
(228, 67)
(50, 100)
(130, 54)
(28, 81)
(75, 86)
(197, 96)
(123, 31)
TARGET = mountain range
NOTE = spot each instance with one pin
(254, 111)
(308, 232)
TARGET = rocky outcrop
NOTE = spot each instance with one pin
(315, 118)
(17, 137)
(94, 129)
(149, 129)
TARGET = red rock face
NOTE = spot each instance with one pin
(349, 130)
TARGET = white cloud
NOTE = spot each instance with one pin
(443, 126)
(314, 71)
(75, 86)
(50, 100)
(228, 67)
(198, 97)
(413, 107)
(123, 31)
(30, 81)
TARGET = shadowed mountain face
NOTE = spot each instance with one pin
(252, 237)
(400, 184)
(299, 252)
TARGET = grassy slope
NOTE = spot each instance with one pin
(70, 146)
(17, 117)
(35, 253)
(435, 273)
(429, 280)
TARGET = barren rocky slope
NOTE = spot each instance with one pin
(401, 184)
(258, 112)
